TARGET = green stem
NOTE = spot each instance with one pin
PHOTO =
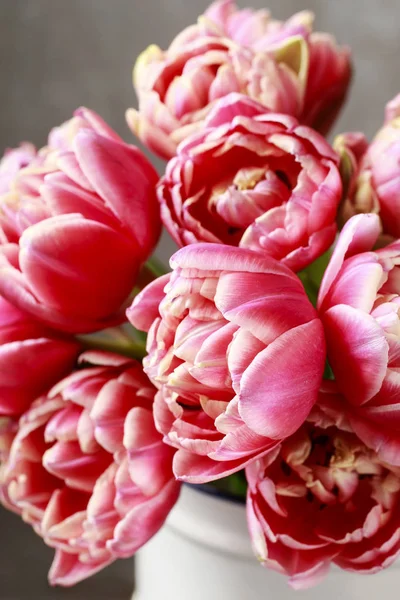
(148, 273)
(310, 287)
(115, 340)
(155, 266)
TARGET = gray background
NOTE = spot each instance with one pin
(56, 55)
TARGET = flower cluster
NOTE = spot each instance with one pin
(82, 461)
(273, 344)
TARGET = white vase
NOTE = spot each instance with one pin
(204, 553)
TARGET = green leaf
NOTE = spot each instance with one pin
(235, 485)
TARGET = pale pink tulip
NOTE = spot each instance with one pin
(237, 352)
(254, 29)
(32, 359)
(256, 180)
(283, 65)
(76, 225)
(15, 159)
(359, 303)
(372, 172)
(88, 470)
(323, 497)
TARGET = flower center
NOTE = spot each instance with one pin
(247, 179)
(330, 467)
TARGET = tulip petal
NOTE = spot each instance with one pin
(144, 309)
(358, 235)
(143, 521)
(214, 257)
(64, 278)
(67, 570)
(270, 402)
(28, 368)
(126, 180)
(255, 303)
(357, 351)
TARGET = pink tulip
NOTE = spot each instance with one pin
(88, 470)
(283, 65)
(359, 303)
(76, 225)
(14, 160)
(323, 497)
(254, 29)
(237, 352)
(256, 180)
(373, 172)
(32, 359)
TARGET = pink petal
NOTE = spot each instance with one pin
(109, 412)
(210, 364)
(254, 302)
(63, 424)
(56, 262)
(29, 368)
(98, 124)
(144, 309)
(384, 441)
(217, 257)
(143, 521)
(79, 471)
(280, 386)
(357, 351)
(192, 468)
(139, 430)
(242, 351)
(392, 110)
(126, 180)
(358, 235)
(67, 570)
(358, 283)
(232, 105)
(152, 136)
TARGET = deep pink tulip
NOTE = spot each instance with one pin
(88, 470)
(256, 180)
(323, 497)
(283, 65)
(359, 303)
(76, 224)
(32, 359)
(237, 352)
(372, 172)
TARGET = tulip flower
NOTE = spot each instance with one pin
(372, 172)
(76, 225)
(237, 352)
(256, 180)
(88, 470)
(323, 497)
(285, 66)
(358, 304)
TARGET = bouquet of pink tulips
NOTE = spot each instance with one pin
(271, 365)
